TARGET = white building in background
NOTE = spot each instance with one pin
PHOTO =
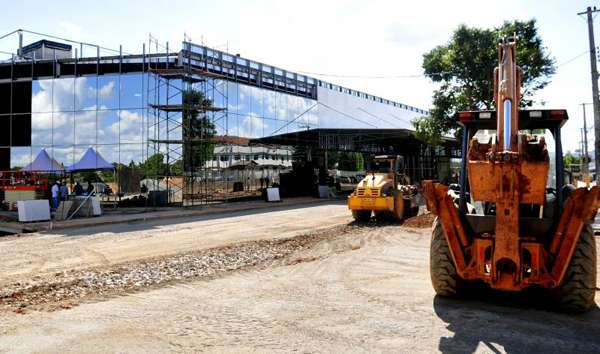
(239, 160)
(226, 156)
(236, 152)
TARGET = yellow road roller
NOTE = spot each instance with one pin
(385, 191)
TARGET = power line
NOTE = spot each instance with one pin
(413, 76)
(72, 41)
(400, 118)
(8, 34)
(573, 59)
(594, 76)
(374, 116)
(62, 39)
(346, 115)
(293, 120)
(351, 76)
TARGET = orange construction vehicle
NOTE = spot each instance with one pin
(514, 225)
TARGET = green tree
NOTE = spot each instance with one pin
(429, 130)
(198, 131)
(154, 166)
(110, 176)
(351, 161)
(464, 70)
(347, 161)
(177, 168)
(570, 159)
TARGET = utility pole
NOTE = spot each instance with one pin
(595, 98)
(586, 170)
(581, 157)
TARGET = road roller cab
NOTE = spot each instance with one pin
(385, 191)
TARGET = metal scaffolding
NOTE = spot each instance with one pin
(182, 117)
(162, 118)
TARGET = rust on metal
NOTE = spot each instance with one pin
(509, 173)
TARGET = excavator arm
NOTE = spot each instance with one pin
(505, 249)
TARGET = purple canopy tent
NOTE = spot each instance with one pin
(44, 163)
(91, 160)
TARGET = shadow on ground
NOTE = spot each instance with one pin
(514, 323)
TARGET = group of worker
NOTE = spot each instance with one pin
(60, 191)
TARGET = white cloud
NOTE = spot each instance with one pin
(20, 156)
(252, 126)
(59, 95)
(106, 91)
(129, 126)
(41, 101)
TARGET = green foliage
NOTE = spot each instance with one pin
(111, 176)
(347, 161)
(428, 130)
(570, 159)
(351, 161)
(108, 177)
(198, 132)
(154, 166)
(177, 168)
(464, 69)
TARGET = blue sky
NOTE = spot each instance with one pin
(355, 38)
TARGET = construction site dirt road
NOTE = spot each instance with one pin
(305, 279)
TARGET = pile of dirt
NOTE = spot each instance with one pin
(422, 221)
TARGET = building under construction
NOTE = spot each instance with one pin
(191, 126)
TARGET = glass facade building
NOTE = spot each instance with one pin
(166, 107)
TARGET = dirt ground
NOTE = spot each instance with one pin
(38, 255)
(337, 287)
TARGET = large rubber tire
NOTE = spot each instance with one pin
(444, 278)
(576, 293)
(361, 215)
